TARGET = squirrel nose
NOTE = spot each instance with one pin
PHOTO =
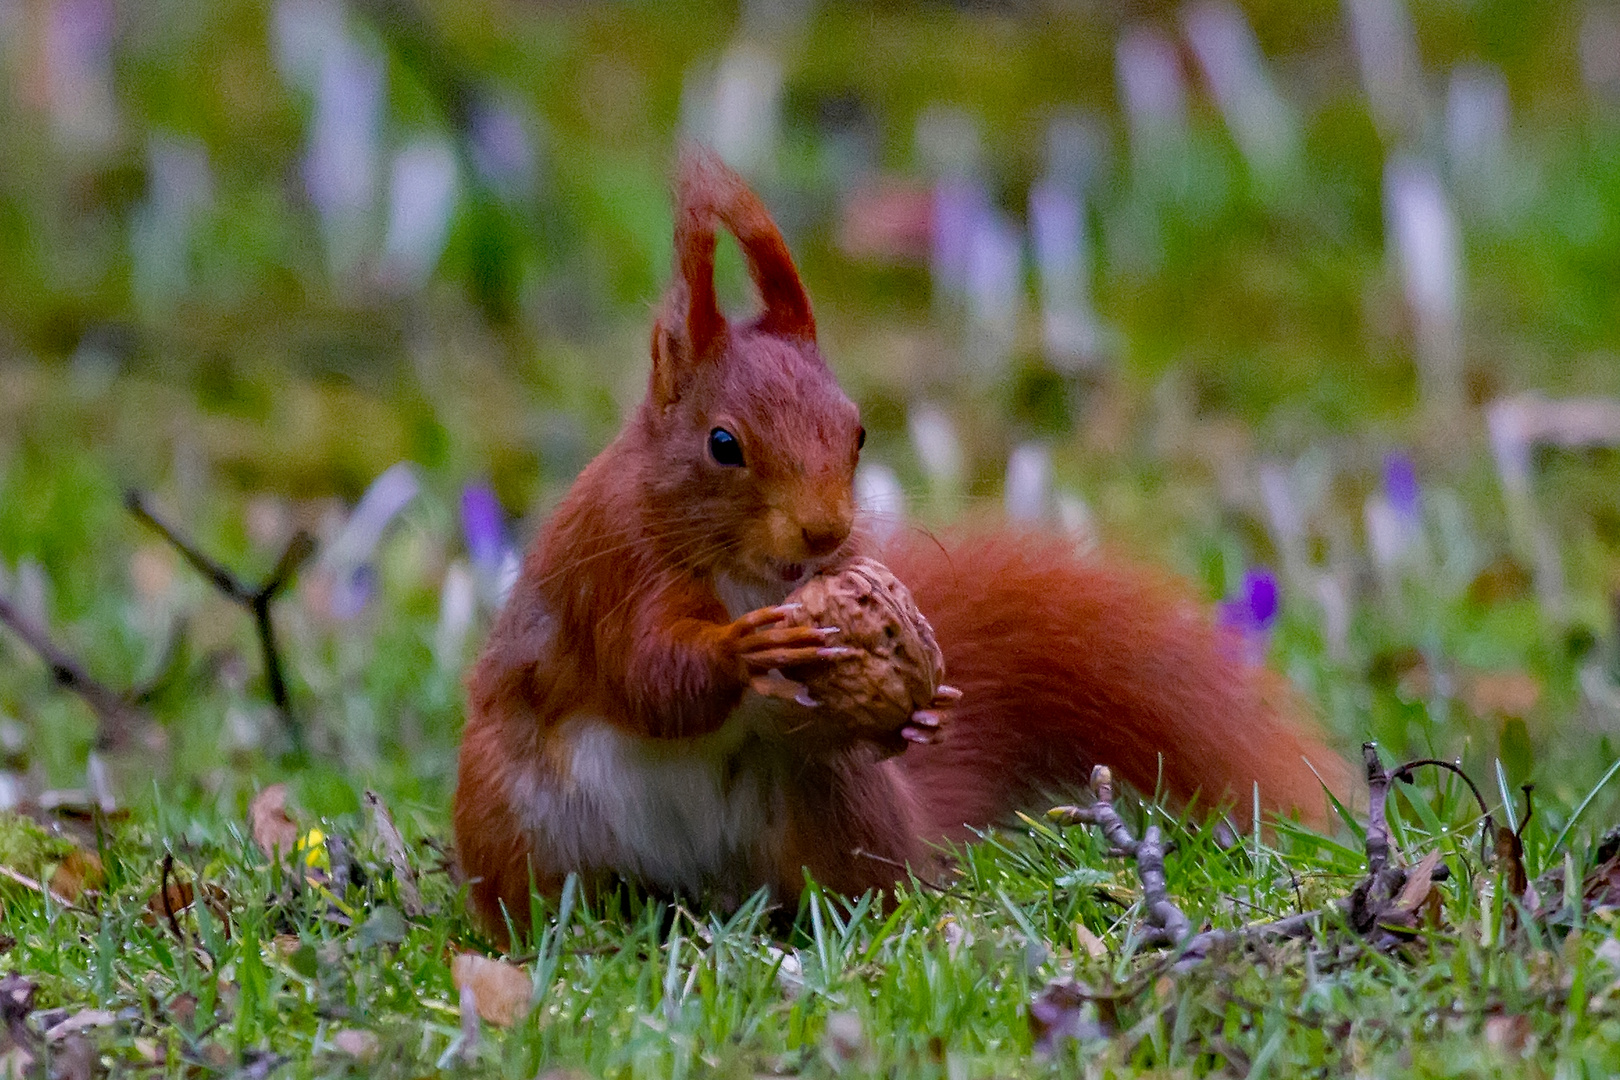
(824, 539)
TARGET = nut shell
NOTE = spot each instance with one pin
(898, 666)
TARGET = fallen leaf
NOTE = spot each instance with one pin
(1500, 693)
(1510, 857)
(1095, 947)
(274, 832)
(80, 872)
(360, 1045)
(1508, 1033)
(178, 898)
(1601, 888)
(1418, 900)
(214, 1055)
(168, 901)
(502, 991)
(182, 1009)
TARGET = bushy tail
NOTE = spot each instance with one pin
(1066, 661)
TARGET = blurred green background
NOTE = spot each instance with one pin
(1226, 287)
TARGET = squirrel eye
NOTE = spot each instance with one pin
(724, 447)
(860, 439)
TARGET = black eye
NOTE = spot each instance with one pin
(860, 439)
(724, 447)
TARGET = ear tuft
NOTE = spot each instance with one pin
(709, 191)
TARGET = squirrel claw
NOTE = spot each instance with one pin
(946, 695)
(922, 736)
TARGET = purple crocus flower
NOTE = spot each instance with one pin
(1252, 613)
(483, 526)
(1401, 487)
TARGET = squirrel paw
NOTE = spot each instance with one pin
(926, 725)
(759, 645)
(923, 727)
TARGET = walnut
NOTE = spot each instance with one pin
(898, 666)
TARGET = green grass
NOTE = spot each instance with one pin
(939, 982)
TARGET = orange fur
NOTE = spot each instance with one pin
(1067, 661)
(614, 728)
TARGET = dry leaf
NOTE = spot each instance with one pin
(274, 832)
(81, 871)
(182, 1010)
(215, 1055)
(1417, 895)
(1095, 947)
(1501, 693)
(1601, 888)
(178, 898)
(501, 990)
(1508, 1033)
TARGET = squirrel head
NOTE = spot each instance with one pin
(753, 445)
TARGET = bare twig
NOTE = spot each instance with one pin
(1167, 923)
(256, 600)
(1487, 834)
(410, 897)
(1383, 905)
(117, 717)
(168, 907)
(37, 886)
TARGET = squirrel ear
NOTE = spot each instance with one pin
(711, 191)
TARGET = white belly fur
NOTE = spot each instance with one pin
(682, 816)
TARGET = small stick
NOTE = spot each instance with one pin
(116, 714)
(1377, 798)
(257, 601)
(410, 897)
(37, 886)
(163, 891)
(1167, 923)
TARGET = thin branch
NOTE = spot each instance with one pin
(116, 715)
(1167, 923)
(37, 886)
(256, 600)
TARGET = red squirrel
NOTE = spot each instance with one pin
(624, 721)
